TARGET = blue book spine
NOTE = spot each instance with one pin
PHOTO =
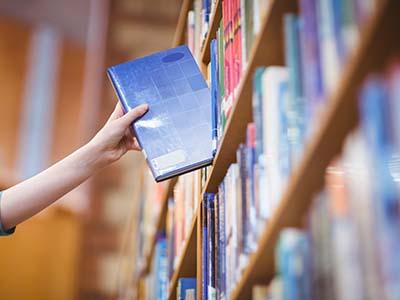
(161, 269)
(336, 6)
(185, 284)
(214, 94)
(295, 105)
(311, 58)
(284, 148)
(257, 102)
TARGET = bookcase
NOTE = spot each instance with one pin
(339, 116)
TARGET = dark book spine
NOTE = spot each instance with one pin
(217, 245)
(243, 227)
(222, 242)
(204, 253)
(211, 245)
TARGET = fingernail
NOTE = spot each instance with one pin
(144, 106)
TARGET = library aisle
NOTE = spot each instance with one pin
(302, 199)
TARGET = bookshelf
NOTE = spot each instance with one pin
(338, 118)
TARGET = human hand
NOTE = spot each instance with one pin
(115, 138)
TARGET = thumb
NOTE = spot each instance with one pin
(133, 114)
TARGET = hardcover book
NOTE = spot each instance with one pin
(175, 134)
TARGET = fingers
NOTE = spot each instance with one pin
(133, 114)
(117, 113)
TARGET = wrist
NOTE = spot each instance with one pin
(92, 157)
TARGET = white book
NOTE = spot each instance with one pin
(273, 78)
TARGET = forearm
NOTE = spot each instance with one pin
(26, 199)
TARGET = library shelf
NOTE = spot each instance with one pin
(179, 37)
(160, 224)
(337, 121)
(211, 34)
(186, 266)
(267, 50)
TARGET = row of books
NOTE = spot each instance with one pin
(253, 186)
(229, 225)
(350, 247)
(182, 208)
(169, 245)
(156, 283)
(198, 21)
(318, 43)
(242, 18)
(150, 202)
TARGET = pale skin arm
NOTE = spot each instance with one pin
(31, 196)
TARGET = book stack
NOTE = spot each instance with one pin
(181, 211)
(352, 236)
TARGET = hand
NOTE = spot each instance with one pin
(115, 138)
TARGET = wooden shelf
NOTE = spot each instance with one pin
(339, 118)
(267, 50)
(160, 225)
(211, 34)
(179, 37)
(186, 266)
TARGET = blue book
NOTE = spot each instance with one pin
(175, 134)
(161, 269)
(214, 94)
(185, 284)
(295, 105)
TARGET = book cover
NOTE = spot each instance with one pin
(175, 134)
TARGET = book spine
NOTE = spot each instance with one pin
(211, 247)
(204, 252)
(214, 94)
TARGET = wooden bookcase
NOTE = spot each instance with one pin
(377, 44)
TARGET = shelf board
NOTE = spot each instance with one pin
(212, 32)
(186, 266)
(160, 225)
(337, 121)
(267, 50)
(179, 37)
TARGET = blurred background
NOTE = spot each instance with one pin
(54, 97)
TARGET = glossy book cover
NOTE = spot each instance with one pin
(176, 133)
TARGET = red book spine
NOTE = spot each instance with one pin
(239, 39)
